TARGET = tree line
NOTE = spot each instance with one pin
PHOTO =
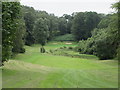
(104, 41)
(23, 25)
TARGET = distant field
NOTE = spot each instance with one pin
(36, 70)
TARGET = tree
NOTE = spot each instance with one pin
(53, 26)
(104, 42)
(10, 14)
(104, 23)
(41, 31)
(62, 26)
(83, 24)
(69, 19)
(110, 41)
(18, 42)
(29, 17)
(105, 46)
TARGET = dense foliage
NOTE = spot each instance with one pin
(104, 41)
(11, 29)
(18, 42)
(84, 23)
(29, 17)
(79, 24)
(41, 31)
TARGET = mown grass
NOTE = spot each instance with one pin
(36, 70)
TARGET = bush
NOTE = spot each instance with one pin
(70, 48)
(56, 50)
(51, 51)
(86, 46)
(105, 49)
(64, 47)
(61, 47)
(42, 50)
(22, 50)
(47, 52)
(101, 44)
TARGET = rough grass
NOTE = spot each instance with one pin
(36, 70)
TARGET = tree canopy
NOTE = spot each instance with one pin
(84, 23)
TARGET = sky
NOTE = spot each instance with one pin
(60, 7)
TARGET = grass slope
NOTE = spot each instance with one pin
(36, 70)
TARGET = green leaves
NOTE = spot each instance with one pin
(104, 41)
(10, 12)
(41, 31)
(84, 23)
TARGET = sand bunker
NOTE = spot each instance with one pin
(68, 43)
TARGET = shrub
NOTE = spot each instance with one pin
(61, 47)
(70, 48)
(55, 49)
(42, 50)
(51, 51)
(101, 44)
(22, 50)
(47, 52)
(64, 47)
(105, 49)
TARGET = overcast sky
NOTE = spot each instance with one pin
(60, 7)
